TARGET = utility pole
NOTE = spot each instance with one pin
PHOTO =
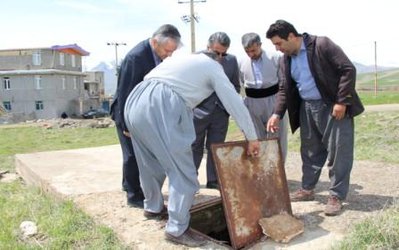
(192, 19)
(116, 54)
(375, 68)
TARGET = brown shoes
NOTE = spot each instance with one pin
(157, 216)
(333, 207)
(302, 195)
(188, 238)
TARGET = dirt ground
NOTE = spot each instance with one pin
(373, 187)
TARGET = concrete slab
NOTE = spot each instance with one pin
(91, 177)
(75, 172)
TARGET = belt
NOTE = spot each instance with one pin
(260, 93)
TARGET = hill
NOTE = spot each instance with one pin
(110, 78)
(386, 80)
(388, 77)
(361, 68)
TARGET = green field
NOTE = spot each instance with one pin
(386, 80)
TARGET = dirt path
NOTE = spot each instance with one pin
(373, 187)
(382, 107)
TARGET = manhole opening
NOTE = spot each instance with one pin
(209, 219)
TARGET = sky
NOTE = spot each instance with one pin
(364, 29)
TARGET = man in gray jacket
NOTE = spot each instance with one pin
(318, 90)
(211, 119)
(259, 74)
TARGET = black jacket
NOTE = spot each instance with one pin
(137, 63)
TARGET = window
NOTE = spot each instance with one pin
(39, 105)
(63, 81)
(37, 58)
(7, 83)
(7, 105)
(38, 82)
(75, 83)
(73, 58)
(62, 59)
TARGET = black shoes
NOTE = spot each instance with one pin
(135, 203)
(135, 199)
(212, 185)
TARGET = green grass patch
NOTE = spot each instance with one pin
(28, 139)
(60, 224)
(388, 79)
(379, 232)
(380, 97)
(376, 136)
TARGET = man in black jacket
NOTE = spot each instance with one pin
(318, 90)
(137, 63)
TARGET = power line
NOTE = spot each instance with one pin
(116, 53)
(191, 19)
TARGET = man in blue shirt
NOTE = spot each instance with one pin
(321, 99)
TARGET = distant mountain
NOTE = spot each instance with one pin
(110, 78)
(361, 68)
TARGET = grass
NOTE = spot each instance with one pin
(381, 97)
(28, 139)
(386, 80)
(61, 225)
(379, 232)
(371, 140)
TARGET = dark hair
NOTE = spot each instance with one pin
(167, 31)
(219, 37)
(282, 29)
(249, 39)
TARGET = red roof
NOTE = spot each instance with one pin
(71, 49)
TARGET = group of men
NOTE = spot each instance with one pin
(167, 109)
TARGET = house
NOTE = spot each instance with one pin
(94, 89)
(43, 83)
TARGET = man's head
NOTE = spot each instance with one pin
(165, 40)
(284, 37)
(219, 43)
(252, 45)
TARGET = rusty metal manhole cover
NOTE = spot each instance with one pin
(251, 188)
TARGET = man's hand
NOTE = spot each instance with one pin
(253, 148)
(339, 111)
(273, 124)
(126, 133)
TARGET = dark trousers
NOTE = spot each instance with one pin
(130, 170)
(323, 138)
(213, 129)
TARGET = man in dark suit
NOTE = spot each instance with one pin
(137, 63)
(211, 120)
